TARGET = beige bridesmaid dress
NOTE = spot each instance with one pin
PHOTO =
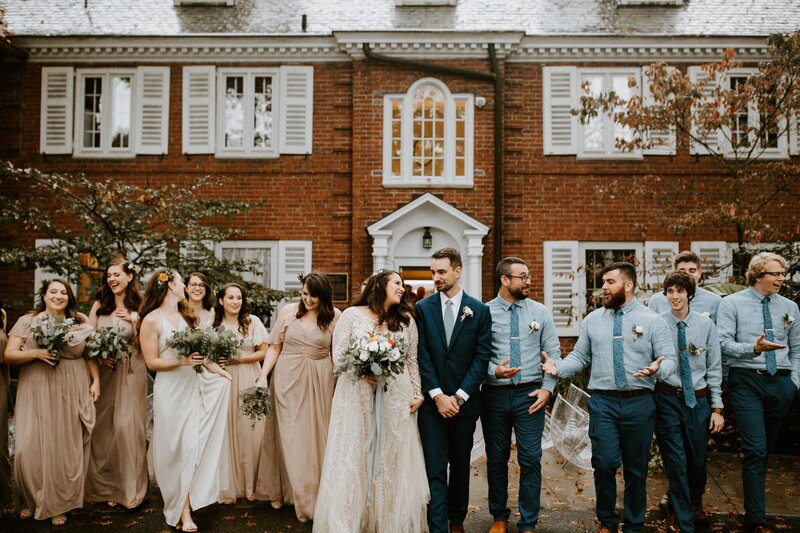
(245, 438)
(302, 387)
(54, 419)
(118, 462)
(5, 465)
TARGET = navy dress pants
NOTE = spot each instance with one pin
(621, 431)
(683, 440)
(760, 402)
(504, 409)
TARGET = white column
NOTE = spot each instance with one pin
(380, 249)
(474, 262)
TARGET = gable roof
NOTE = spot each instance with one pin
(40, 18)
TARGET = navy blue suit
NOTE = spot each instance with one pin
(461, 365)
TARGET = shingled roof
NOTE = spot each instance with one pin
(39, 18)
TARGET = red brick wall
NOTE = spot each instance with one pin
(330, 196)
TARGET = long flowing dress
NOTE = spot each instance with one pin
(245, 438)
(54, 417)
(395, 500)
(302, 385)
(190, 441)
(5, 465)
(118, 463)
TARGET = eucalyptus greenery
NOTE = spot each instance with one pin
(254, 404)
(108, 343)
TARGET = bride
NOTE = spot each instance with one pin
(392, 495)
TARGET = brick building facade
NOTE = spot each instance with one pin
(352, 169)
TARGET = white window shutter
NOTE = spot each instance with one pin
(663, 140)
(294, 258)
(696, 74)
(715, 258)
(658, 262)
(295, 123)
(560, 96)
(199, 86)
(152, 110)
(794, 143)
(561, 285)
(55, 135)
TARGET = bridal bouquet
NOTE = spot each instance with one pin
(108, 342)
(374, 354)
(52, 333)
(222, 344)
(188, 341)
(254, 403)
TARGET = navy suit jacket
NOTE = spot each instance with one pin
(462, 364)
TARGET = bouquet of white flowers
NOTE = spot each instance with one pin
(378, 355)
(52, 333)
(108, 342)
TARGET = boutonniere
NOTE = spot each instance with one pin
(695, 350)
(706, 313)
(787, 320)
(535, 326)
(638, 331)
(466, 313)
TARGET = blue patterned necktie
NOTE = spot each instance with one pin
(686, 369)
(449, 320)
(516, 357)
(769, 334)
(619, 360)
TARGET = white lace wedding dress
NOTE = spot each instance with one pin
(399, 491)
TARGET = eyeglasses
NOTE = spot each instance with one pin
(523, 279)
(194, 285)
(777, 274)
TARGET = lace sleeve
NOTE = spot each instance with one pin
(411, 359)
(341, 336)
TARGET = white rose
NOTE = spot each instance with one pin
(363, 356)
(372, 346)
(639, 330)
(394, 355)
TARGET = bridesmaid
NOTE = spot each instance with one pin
(55, 412)
(232, 311)
(200, 298)
(190, 456)
(118, 463)
(5, 465)
(302, 386)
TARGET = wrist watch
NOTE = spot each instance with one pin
(459, 400)
(717, 410)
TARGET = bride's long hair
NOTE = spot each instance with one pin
(374, 296)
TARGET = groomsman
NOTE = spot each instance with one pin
(455, 343)
(689, 402)
(514, 393)
(627, 346)
(760, 336)
(704, 302)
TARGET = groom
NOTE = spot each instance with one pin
(455, 343)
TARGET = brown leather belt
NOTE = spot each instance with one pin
(763, 372)
(675, 391)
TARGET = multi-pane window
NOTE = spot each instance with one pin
(247, 115)
(597, 138)
(428, 136)
(106, 107)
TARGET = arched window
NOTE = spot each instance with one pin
(428, 137)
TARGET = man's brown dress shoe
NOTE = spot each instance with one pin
(603, 529)
(457, 528)
(499, 526)
(700, 516)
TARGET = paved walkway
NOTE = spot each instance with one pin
(567, 504)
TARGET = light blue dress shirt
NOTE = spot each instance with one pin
(595, 347)
(533, 341)
(740, 320)
(706, 365)
(704, 302)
